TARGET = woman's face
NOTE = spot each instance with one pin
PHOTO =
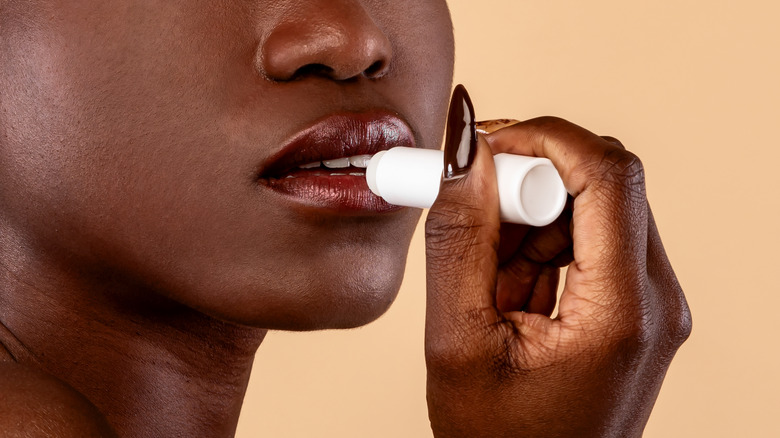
(158, 142)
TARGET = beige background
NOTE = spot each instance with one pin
(692, 87)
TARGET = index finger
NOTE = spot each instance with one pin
(570, 147)
(610, 220)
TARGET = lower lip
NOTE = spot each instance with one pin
(341, 193)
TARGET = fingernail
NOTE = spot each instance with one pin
(491, 126)
(460, 144)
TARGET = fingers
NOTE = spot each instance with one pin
(614, 141)
(462, 235)
(528, 279)
(516, 283)
(543, 298)
(620, 297)
(527, 286)
(512, 236)
(461, 242)
(609, 222)
(544, 244)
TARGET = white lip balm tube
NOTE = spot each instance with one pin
(530, 191)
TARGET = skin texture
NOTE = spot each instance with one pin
(137, 250)
(141, 262)
(37, 404)
(593, 371)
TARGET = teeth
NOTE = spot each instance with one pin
(339, 163)
(359, 161)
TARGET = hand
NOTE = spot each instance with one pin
(498, 365)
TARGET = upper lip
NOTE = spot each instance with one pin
(338, 136)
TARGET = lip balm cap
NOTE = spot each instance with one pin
(530, 190)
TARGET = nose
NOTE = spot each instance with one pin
(336, 39)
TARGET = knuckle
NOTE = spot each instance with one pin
(679, 321)
(548, 121)
(682, 328)
(619, 178)
(545, 126)
(613, 141)
(650, 325)
(622, 167)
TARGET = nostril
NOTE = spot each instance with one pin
(312, 70)
(375, 70)
(340, 43)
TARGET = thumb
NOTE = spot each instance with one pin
(462, 235)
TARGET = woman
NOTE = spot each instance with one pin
(172, 186)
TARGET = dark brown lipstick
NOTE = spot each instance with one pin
(337, 136)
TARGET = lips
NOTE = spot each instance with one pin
(322, 166)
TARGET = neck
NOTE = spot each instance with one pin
(151, 366)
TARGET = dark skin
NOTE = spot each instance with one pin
(139, 254)
(593, 371)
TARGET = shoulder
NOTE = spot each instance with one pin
(33, 403)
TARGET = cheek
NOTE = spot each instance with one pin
(117, 149)
(107, 121)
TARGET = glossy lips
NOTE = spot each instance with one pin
(344, 190)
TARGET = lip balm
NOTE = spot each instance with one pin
(530, 191)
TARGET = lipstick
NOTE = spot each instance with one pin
(323, 166)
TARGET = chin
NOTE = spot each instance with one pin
(306, 275)
(310, 295)
(318, 307)
(347, 280)
(348, 309)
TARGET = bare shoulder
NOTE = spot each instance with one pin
(33, 403)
